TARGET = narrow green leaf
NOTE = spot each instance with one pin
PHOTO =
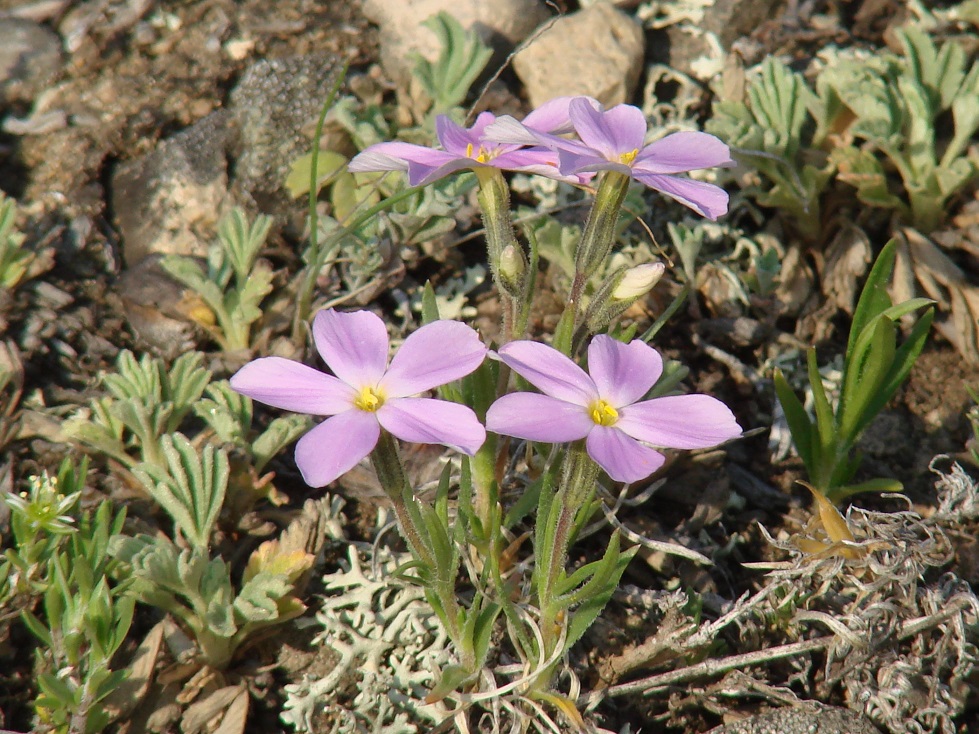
(864, 375)
(589, 610)
(839, 494)
(430, 306)
(902, 362)
(800, 425)
(825, 438)
(874, 298)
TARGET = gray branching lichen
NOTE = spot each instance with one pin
(390, 646)
(905, 643)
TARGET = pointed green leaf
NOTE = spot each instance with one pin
(864, 377)
(798, 420)
(588, 612)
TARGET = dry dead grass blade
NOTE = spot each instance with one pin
(920, 262)
(124, 699)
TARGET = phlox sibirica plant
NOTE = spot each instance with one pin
(599, 420)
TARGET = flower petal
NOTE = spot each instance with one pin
(290, 385)
(571, 162)
(681, 152)
(336, 446)
(550, 371)
(551, 117)
(613, 132)
(706, 199)
(424, 420)
(436, 354)
(455, 138)
(354, 345)
(422, 174)
(680, 422)
(538, 418)
(394, 156)
(624, 459)
(623, 373)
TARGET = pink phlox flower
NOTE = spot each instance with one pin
(614, 140)
(465, 148)
(366, 394)
(604, 406)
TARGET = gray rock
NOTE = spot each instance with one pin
(827, 720)
(275, 105)
(731, 19)
(169, 201)
(165, 316)
(683, 47)
(597, 51)
(501, 24)
(30, 59)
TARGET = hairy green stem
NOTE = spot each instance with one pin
(599, 234)
(578, 479)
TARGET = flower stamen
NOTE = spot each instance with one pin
(628, 158)
(370, 399)
(604, 414)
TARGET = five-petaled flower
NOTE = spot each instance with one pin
(614, 140)
(605, 407)
(464, 148)
(366, 394)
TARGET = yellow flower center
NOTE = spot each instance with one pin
(628, 158)
(483, 156)
(604, 414)
(370, 399)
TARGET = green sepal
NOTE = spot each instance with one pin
(430, 305)
(564, 331)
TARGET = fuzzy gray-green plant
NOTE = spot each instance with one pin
(188, 582)
(874, 122)
(146, 401)
(235, 282)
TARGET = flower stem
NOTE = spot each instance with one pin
(391, 475)
(494, 200)
(599, 235)
(578, 478)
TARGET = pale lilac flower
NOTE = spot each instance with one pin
(605, 407)
(464, 148)
(613, 140)
(367, 394)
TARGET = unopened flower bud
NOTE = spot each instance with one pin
(638, 281)
(620, 290)
(512, 270)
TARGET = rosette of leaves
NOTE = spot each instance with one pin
(897, 108)
(874, 117)
(772, 131)
(146, 402)
(185, 580)
(875, 366)
(235, 281)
